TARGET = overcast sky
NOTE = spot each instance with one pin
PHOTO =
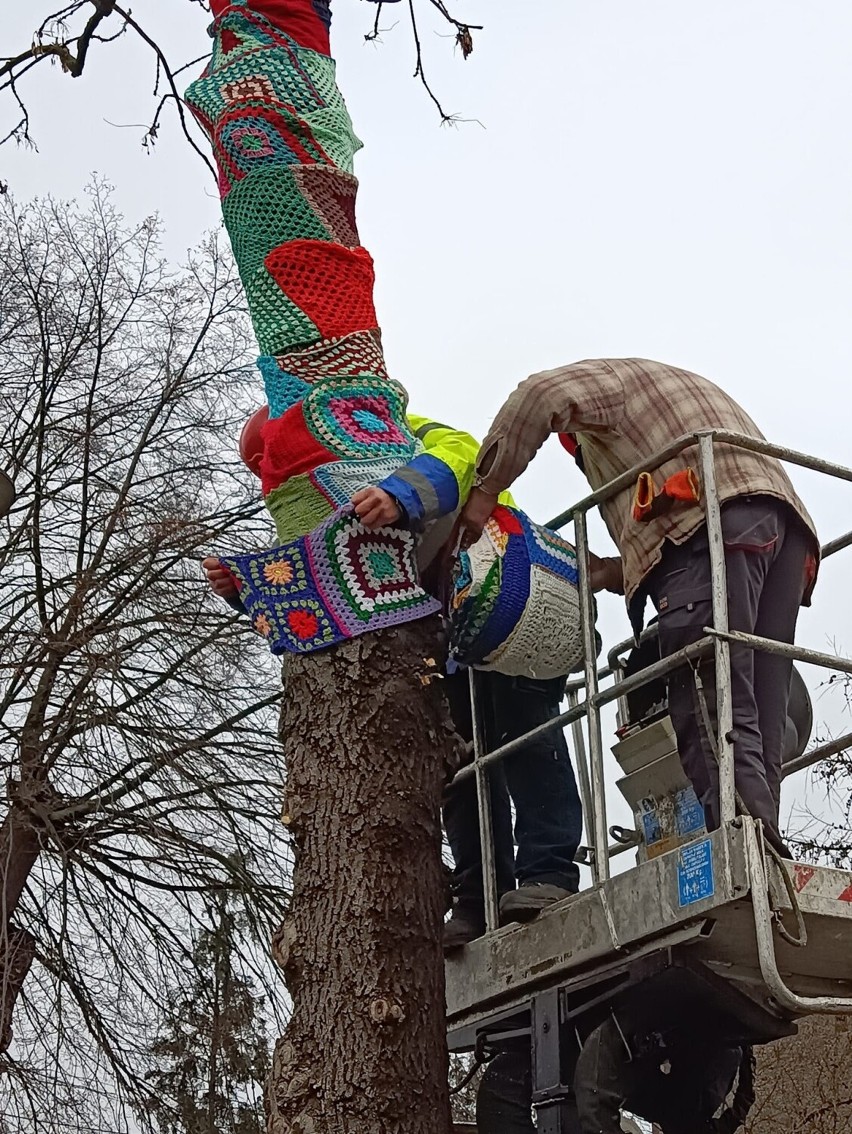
(663, 179)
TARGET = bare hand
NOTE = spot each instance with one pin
(480, 504)
(375, 508)
(606, 574)
(220, 579)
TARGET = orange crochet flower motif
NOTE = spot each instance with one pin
(280, 571)
(262, 625)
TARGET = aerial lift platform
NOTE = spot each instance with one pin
(705, 922)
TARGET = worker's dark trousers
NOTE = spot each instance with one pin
(766, 549)
(539, 779)
(504, 1098)
(601, 1081)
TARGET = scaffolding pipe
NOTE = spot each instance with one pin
(719, 596)
(483, 799)
(785, 649)
(822, 752)
(600, 840)
(719, 638)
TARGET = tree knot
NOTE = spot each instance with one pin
(386, 1011)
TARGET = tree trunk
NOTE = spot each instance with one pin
(20, 847)
(366, 739)
(15, 959)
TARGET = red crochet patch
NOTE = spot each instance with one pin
(229, 40)
(303, 624)
(289, 448)
(331, 284)
(297, 18)
(507, 520)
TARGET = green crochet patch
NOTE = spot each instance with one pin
(297, 506)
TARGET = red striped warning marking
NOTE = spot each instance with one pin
(826, 881)
(802, 876)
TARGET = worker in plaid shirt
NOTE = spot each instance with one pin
(614, 413)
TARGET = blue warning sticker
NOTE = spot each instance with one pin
(651, 827)
(689, 814)
(695, 873)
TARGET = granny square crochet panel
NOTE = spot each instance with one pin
(338, 581)
(284, 147)
(514, 605)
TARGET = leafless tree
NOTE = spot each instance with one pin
(827, 836)
(136, 720)
(66, 34)
(803, 1082)
(465, 1074)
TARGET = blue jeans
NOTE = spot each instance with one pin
(539, 779)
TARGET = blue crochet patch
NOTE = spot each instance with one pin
(369, 421)
(283, 390)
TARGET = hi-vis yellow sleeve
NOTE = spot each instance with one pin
(438, 481)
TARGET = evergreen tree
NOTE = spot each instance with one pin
(213, 1053)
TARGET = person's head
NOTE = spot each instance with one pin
(251, 440)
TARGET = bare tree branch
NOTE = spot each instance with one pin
(52, 41)
(136, 713)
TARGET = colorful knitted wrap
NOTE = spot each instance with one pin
(338, 581)
(514, 606)
(284, 146)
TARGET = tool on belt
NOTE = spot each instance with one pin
(680, 488)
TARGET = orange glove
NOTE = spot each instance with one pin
(682, 487)
(643, 497)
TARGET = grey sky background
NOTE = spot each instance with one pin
(662, 179)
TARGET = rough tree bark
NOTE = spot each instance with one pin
(366, 735)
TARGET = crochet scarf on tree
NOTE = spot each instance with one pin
(284, 146)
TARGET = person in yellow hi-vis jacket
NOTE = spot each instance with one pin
(426, 495)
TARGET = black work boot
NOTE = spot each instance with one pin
(529, 900)
(466, 924)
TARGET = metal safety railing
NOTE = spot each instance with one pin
(588, 745)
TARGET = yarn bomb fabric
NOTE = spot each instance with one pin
(514, 604)
(284, 146)
(335, 583)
